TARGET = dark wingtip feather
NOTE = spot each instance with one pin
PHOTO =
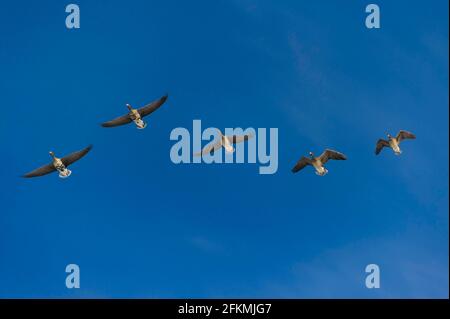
(89, 148)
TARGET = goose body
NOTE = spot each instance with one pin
(59, 164)
(136, 115)
(394, 142)
(227, 144)
(318, 165)
(318, 162)
(136, 118)
(224, 141)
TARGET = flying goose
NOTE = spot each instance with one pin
(393, 142)
(226, 142)
(318, 162)
(59, 164)
(136, 115)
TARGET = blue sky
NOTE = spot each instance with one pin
(140, 226)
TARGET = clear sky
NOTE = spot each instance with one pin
(140, 226)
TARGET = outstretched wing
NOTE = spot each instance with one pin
(380, 144)
(150, 108)
(330, 154)
(302, 163)
(41, 171)
(121, 120)
(239, 138)
(210, 148)
(403, 135)
(72, 158)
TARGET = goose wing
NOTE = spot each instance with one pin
(41, 171)
(239, 138)
(121, 120)
(403, 135)
(150, 108)
(72, 158)
(210, 148)
(301, 164)
(330, 154)
(380, 144)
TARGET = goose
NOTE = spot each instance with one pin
(224, 141)
(393, 142)
(318, 162)
(136, 115)
(59, 164)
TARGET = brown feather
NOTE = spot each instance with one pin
(380, 144)
(72, 158)
(150, 108)
(41, 171)
(330, 154)
(301, 164)
(121, 120)
(403, 135)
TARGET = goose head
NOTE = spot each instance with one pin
(129, 107)
(389, 136)
(311, 154)
(52, 154)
